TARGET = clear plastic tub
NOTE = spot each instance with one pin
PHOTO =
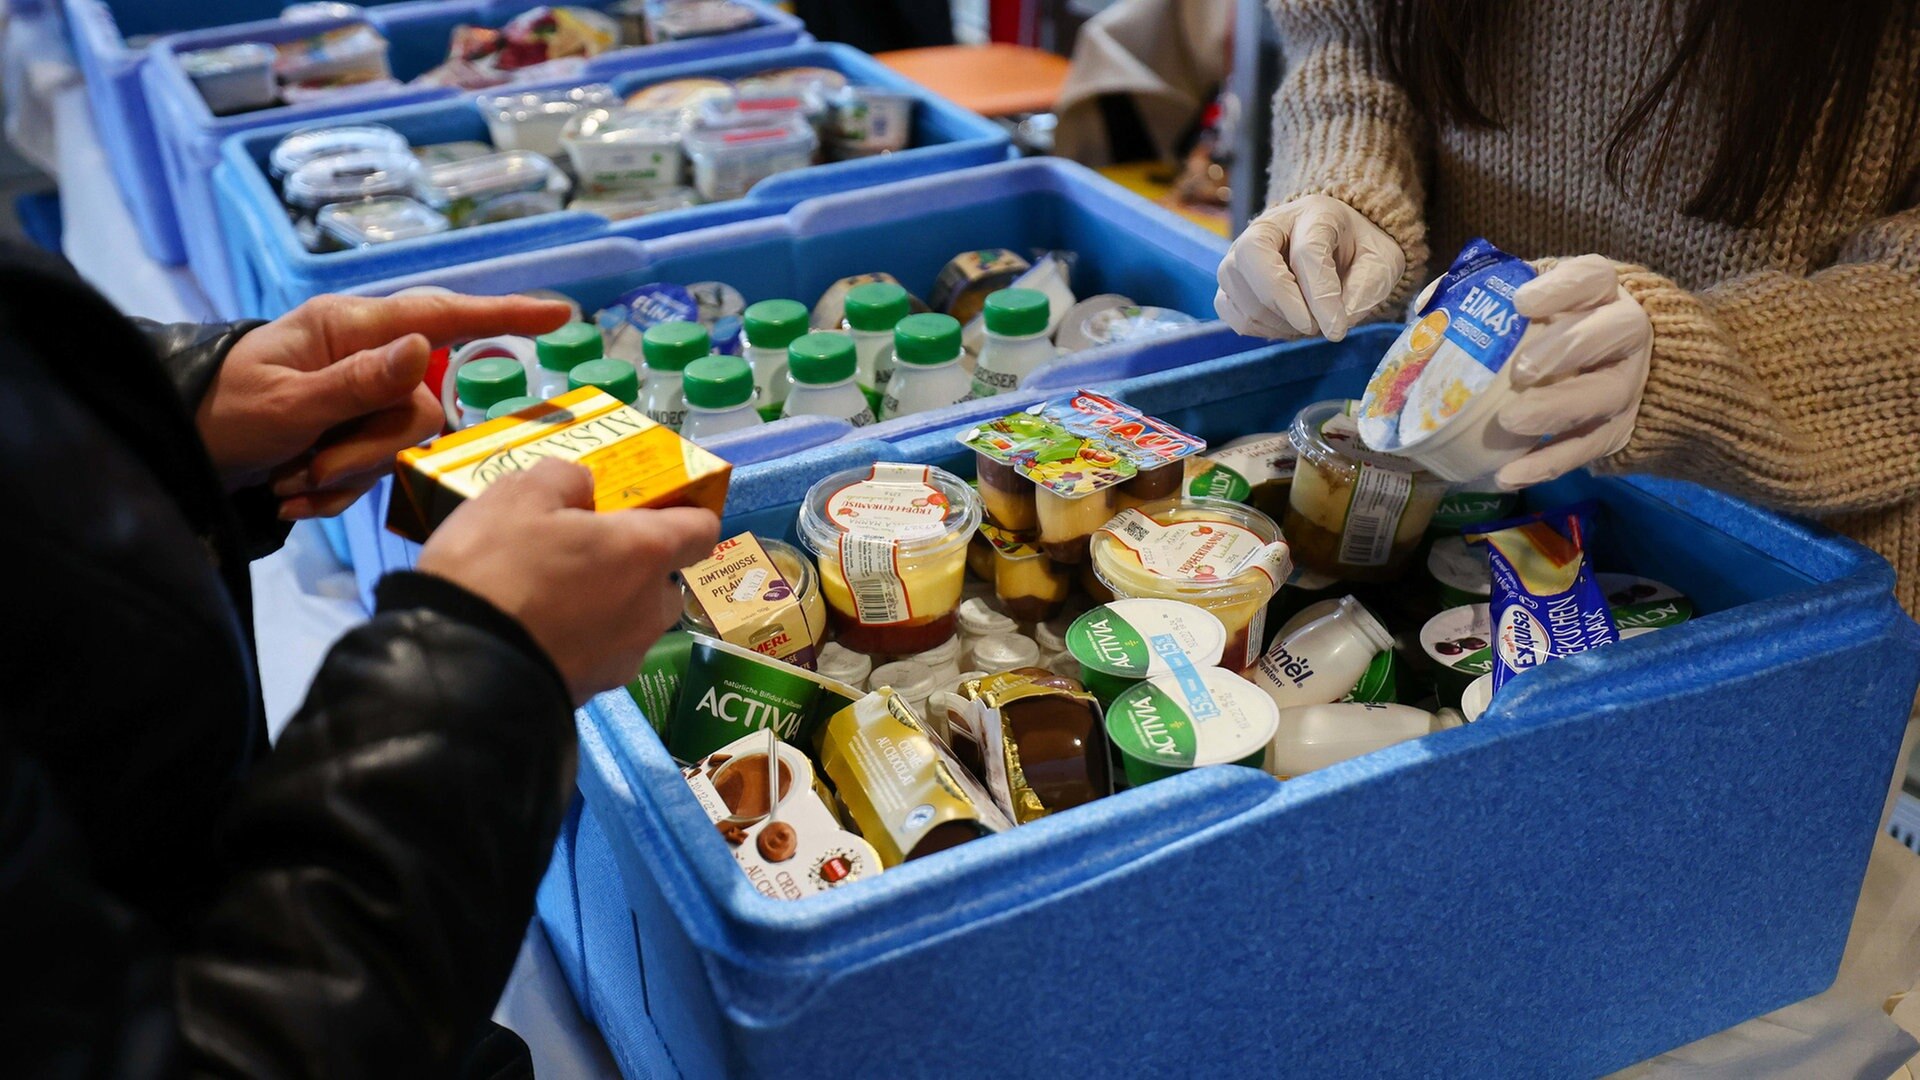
(727, 162)
(350, 177)
(619, 206)
(698, 18)
(313, 144)
(341, 56)
(626, 151)
(682, 96)
(379, 221)
(233, 78)
(534, 119)
(513, 207)
(457, 188)
(1354, 513)
(867, 120)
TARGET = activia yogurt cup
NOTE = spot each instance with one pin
(1459, 641)
(1190, 719)
(1127, 641)
(1460, 570)
(891, 543)
(1642, 603)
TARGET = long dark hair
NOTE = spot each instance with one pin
(1789, 81)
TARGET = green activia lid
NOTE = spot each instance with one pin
(1018, 312)
(927, 339)
(616, 377)
(821, 359)
(773, 324)
(481, 383)
(1210, 717)
(574, 343)
(1130, 638)
(509, 406)
(671, 346)
(719, 382)
(877, 306)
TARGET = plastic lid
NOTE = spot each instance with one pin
(356, 174)
(927, 511)
(822, 359)
(1326, 434)
(380, 221)
(313, 144)
(616, 377)
(1131, 639)
(774, 324)
(510, 406)
(877, 306)
(1018, 312)
(927, 339)
(484, 177)
(574, 343)
(671, 346)
(1212, 717)
(719, 382)
(485, 382)
(524, 105)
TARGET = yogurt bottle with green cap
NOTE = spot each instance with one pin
(560, 351)
(483, 383)
(821, 368)
(719, 392)
(668, 348)
(1016, 342)
(771, 326)
(927, 373)
(1380, 682)
(617, 377)
(1323, 660)
(510, 406)
(1124, 642)
(872, 311)
(1189, 719)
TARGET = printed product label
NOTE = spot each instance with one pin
(798, 848)
(730, 691)
(1460, 509)
(1135, 638)
(1545, 601)
(1082, 443)
(1642, 603)
(1378, 683)
(1462, 337)
(1234, 472)
(1459, 567)
(744, 596)
(1373, 515)
(1197, 550)
(1461, 638)
(895, 503)
(1180, 724)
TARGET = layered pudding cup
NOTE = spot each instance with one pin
(1322, 529)
(1006, 497)
(1240, 601)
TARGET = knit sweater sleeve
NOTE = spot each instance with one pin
(1343, 128)
(1800, 391)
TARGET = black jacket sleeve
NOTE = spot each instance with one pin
(375, 873)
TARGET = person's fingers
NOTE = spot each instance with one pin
(367, 446)
(672, 537)
(1370, 280)
(348, 324)
(319, 504)
(551, 484)
(1250, 324)
(1313, 253)
(1566, 346)
(1565, 454)
(363, 383)
(1263, 308)
(1573, 285)
(1258, 279)
(1570, 404)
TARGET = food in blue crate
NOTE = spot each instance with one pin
(1351, 512)
(1322, 661)
(379, 221)
(461, 189)
(1546, 603)
(729, 161)
(766, 804)
(534, 119)
(1310, 737)
(233, 78)
(1190, 718)
(761, 594)
(625, 151)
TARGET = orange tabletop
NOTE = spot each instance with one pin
(992, 80)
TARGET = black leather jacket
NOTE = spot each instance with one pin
(175, 896)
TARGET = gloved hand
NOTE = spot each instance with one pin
(1579, 373)
(1311, 266)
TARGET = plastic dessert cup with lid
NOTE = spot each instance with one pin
(1170, 724)
(1353, 513)
(1030, 587)
(1127, 641)
(1239, 600)
(533, 119)
(799, 572)
(891, 543)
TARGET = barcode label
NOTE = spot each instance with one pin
(1379, 499)
(879, 596)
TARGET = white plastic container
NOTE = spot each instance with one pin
(943, 660)
(871, 312)
(820, 372)
(1313, 737)
(1016, 344)
(559, 352)
(625, 151)
(458, 188)
(1323, 660)
(914, 682)
(928, 375)
(622, 206)
(1004, 652)
(867, 120)
(301, 147)
(379, 221)
(719, 395)
(727, 162)
(518, 349)
(233, 78)
(486, 382)
(842, 664)
(770, 326)
(533, 119)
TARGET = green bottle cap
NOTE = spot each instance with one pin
(719, 382)
(1017, 312)
(821, 359)
(877, 306)
(773, 324)
(481, 383)
(616, 377)
(574, 343)
(510, 406)
(927, 339)
(671, 346)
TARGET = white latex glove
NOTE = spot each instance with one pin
(1311, 266)
(1579, 373)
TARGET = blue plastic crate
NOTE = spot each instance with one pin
(1633, 848)
(188, 135)
(272, 272)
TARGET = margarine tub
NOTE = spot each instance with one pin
(1351, 513)
(891, 543)
(1188, 719)
(1212, 553)
(1128, 641)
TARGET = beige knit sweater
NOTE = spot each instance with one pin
(1786, 359)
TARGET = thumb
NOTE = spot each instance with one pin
(551, 484)
(373, 379)
(1572, 285)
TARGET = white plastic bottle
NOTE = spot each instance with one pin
(821, 368)
(1315, 736)
(719, 391)
(1016, 342)
(771, 326)
(1323, 660)
(873, 310)
(669, 347)
(927, 373)
(559, 352)
(484, 382)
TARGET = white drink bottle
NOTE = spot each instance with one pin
(1315, 736)
(1323, 660)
